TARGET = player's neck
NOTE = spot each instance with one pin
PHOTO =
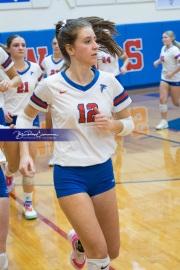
(20, 64)
(57, 57)
(80, 76)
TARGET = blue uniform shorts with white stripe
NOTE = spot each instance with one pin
(2, 119)
(3, 186)
(92, 180)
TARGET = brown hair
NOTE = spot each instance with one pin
(67, 32)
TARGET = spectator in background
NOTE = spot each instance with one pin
(170, 75)
(50, 65)
(15, 100)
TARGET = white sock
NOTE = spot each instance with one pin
(98, 264)
(28, 197)
(164, 121)
(3, 261)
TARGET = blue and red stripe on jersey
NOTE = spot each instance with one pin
(177, 56)
(38, 101)
(7, 63)
(42, 68)
(120, 98)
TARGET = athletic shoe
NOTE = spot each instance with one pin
(29, 211)
(77, 255)
(10, 183)
(162, 125)
(51, 162)
(3, 261)
(2, 158)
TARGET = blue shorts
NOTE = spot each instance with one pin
(35, 122)
(92, 180)
(172, 83)
(2, 118)
(3, 186)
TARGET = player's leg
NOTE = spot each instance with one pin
(28, 183)
(11, 150)
(164, 90)
(28, 188)
(175, 94)
(106, 209)
(4, 221)
(79, 210)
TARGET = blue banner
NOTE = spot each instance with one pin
(37, 135)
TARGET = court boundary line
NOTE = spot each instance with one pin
(153, 136)
(149, 181)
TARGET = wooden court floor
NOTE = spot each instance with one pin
(147, 172)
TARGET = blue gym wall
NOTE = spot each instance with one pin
(141, 41)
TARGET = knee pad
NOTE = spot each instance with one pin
(163, 107)
(28, 181)
(98, 264)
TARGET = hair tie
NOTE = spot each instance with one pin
(63, 24)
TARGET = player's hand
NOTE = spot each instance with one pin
(8, 116)
(123, 70)
(102, 121)
(156, 63)
(5, 85)
(169, 75)
(26, 166)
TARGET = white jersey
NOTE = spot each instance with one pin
(17, 98)
(50, 67)
(108, 63)
(169, 62)
(72, 108)
(5, 64)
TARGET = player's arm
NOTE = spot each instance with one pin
(25, 120)
(15, 79)
(125, 59)
(121, 124)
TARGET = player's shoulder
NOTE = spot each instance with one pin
(33, 65)
(175, 49)
(53, 78)
(103, 54)
(106, 74)
(2, 51)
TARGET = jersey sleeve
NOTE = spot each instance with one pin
(39, 73)
(176, 53)
(43, 65)
(121, 99)
(41, 97)
(5, 61)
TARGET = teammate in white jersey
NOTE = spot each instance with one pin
(109, 63)
(95, 105)
(53, 63)
(50, 65)
(7, 65)
(170, 75)
(15, 100)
